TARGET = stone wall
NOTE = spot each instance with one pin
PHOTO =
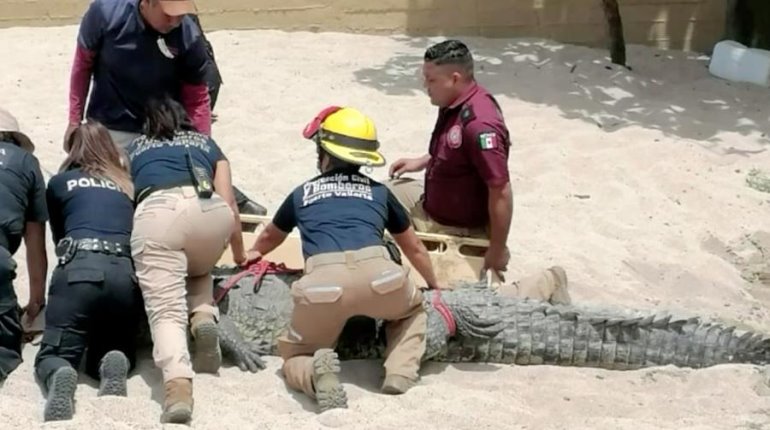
(676, 24)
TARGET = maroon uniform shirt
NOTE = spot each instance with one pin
(469, 152)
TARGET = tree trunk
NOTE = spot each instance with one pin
(615, 31)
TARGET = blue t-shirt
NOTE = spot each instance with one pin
(22, 194)
(162, 162)
(135, 63)
(341, 210)
(83, 206)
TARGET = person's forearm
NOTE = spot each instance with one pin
(500, 215)
(195, 99)
(236, 237)
(37, 263)
(424, 160)
(420, 260)
(80, 79)
(414, 250)
(269, 239)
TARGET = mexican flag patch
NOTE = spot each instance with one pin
(488, 140)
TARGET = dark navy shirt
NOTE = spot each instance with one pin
(157, 163)
(22, 194)
(83, 206)
(135, 63)
(341, 210)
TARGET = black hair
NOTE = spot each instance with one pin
(164, 118)
(450, 51)
(7, 136)
(334, 162)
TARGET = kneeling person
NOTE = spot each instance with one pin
(23, 215)
(341, 215)
(185, 218)
(94, 301)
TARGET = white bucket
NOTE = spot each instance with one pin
(736, 62)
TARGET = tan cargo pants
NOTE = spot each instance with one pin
(539, 286)
(337, 286)
(177, 240)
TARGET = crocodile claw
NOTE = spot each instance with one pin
(248, 359)
(245, 355)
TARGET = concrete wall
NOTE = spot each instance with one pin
(676, 24)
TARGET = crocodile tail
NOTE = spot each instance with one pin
(568, 337)
(658, 340)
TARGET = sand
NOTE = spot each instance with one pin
(634, 181)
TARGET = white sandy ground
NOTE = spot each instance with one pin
(632, 180)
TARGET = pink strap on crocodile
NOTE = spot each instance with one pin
(259, 269)
(443, 310)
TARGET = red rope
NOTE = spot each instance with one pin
(443, 310)
(259, 269)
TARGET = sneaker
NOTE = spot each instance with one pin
(329, 393)
(113, 371)
(60, 404)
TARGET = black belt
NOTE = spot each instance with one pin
(68, 247)
(146, 191)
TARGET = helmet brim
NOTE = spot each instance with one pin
(354, 156)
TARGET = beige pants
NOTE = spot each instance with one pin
(409, 192)
(337, 286)
(541, 285)
(177, 240)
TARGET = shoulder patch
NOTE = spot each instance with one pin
(488, 140)
(466, 114)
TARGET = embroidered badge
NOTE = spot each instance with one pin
(488, 140)
(467, 114)
(455, 137)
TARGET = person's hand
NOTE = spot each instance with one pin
(67, 133)
(405, 165)
(34, 307)
(240, 259)
(497, 259)
(250, 257)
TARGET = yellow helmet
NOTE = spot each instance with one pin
(347, 134)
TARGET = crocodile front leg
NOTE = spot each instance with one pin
(235, 348)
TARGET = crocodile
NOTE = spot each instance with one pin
(488, 327)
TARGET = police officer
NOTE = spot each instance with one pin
(467, 189)
(341, 215)
(94, 298)
(136, 50)
(23, 214)
(182, 225)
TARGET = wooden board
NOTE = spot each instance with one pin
(454, 258)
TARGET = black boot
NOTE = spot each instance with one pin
(249, 207)
(246, 205)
